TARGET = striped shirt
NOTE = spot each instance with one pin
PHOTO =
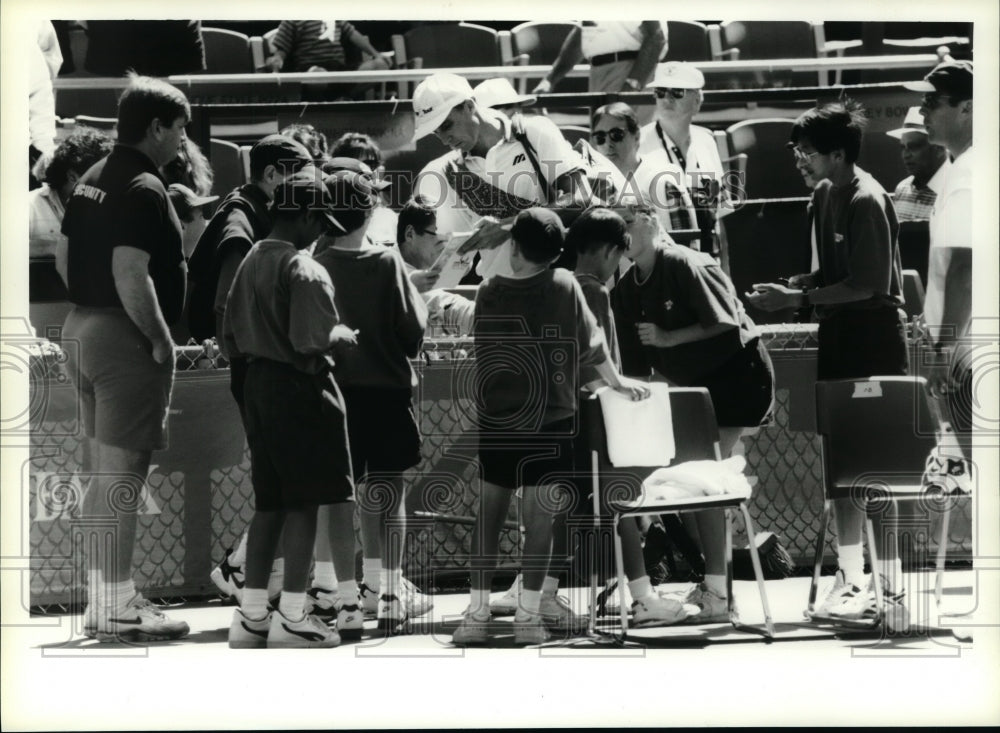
(308, 43)
(916, 202)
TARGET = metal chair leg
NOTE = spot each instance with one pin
(818, 557)
(942, 553)
(873, 554)
(622, 612)
(758, 571)
(733, 619)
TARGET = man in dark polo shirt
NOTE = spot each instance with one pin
(857, 296)
(126, 278)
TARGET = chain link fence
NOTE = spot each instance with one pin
(194, 509)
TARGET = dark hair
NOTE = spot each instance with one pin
(311, 139)
(191, 168)
(281, 151)
(620, 111)
(595, 228)
(352, 199)
(356, 145)
(538, 234)
(418, 213)
(834, 126)
(84, 147)
(146, 99)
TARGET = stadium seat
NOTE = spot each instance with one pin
(770, 167)
(443, 46)
(687, 41)
(913, 293)
(572, 133)
(541, 43)
(226, 52)
(876, 434)
(618, 491)
(227, 164)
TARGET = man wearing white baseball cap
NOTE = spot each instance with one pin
(497, 167)
(927, 165)
(677, 86)
(947, 113)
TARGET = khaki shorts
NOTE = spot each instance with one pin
(124, 394)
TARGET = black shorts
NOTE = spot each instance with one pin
(510, 460)
(383, 430)
(297, 433)
(856, 344)
(742, 389)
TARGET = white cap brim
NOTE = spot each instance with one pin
(433, 121)
(898, 133)
(920, 86)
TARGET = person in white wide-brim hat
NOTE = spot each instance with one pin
(927, 165)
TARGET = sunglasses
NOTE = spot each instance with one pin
(933, 100)
(675, 93)
(616, 134)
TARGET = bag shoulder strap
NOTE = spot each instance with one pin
(521, 135)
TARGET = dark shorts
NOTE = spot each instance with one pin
(742, 389)
(297, 433)
(510, 460)
(854, 344)
(383, 430)
(124, 393)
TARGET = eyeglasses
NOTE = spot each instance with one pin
(616, 134)
(675, 93)
(933, 100)
(803, 156)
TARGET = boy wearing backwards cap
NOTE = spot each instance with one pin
(526, 433)
(280, 316)
(375, 297)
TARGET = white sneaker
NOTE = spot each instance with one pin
(530, 629)
(714, 609)
(230, 579)
(471, 631)
(323, 604)
(506, 605)
(369, 599)
(391, 614)
(417, 603)
(306, 633)
(139, 621)
(248, 633)
(656, 611)
(350, 620)
(558, 614)
(833, 598)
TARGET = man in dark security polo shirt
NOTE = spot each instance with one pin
(126, 274)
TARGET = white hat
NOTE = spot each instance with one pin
(677, 75)
(499, 92)
(914, 122)
(433, 100)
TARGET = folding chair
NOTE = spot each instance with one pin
(876, 436)
(696, 437)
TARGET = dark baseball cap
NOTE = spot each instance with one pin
(355, 166)
(304, 191)
(540, 232)
(280, 151)
(952, 77)
(350, 191)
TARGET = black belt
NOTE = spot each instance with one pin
(610, 58)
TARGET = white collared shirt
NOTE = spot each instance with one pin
(45, 215)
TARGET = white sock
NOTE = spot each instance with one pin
(254, 603)
(117, 595)
(550, 585)
(530, 602)
(347, 592)
(370, 569)
(390, 582)
(851, 560)
(324, 576)
(292, 605)
(892, 572)
(239, 556)
(640, 587)
(479, 602)
(716, 584)
(95, 584)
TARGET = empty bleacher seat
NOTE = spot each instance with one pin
(442, 46)
(687, 41)
(227, 164)
(542, 42)
(770, 166)
(226, 52)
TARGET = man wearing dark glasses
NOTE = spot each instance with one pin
(947, 113)
(677, 87)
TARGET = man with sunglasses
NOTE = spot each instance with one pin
(947, 113)
(677, 87)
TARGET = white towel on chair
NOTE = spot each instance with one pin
(693, 479)
(639, 433)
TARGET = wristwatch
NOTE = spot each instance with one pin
(633, 84)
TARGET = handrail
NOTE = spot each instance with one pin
(906, 61)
